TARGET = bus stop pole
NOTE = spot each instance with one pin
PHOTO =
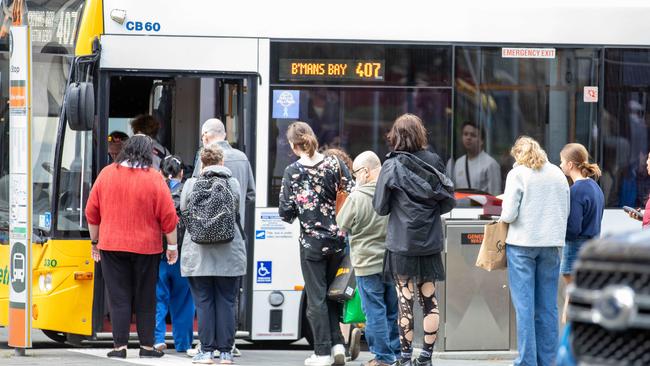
(20, 186)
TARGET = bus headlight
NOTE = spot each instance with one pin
(276, 298)
(48, 282)
(45, 282)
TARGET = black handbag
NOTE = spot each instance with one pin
(342, 287)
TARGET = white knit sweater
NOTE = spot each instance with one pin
(536, 205)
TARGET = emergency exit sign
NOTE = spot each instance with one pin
(527, 52)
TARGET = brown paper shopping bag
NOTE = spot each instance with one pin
(492, 254)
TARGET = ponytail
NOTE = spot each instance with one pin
(303, 138)
(578, 155)
(591, 170)
(171, 166)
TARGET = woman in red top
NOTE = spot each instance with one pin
(128, 210)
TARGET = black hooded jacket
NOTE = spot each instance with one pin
(414, 190)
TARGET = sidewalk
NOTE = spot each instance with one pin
(49, 353)
(97, 357)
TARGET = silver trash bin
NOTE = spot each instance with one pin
(478, 315)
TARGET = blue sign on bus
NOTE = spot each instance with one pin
(286, 104)
(264, 271)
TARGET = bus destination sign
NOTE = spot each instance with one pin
(331, 70)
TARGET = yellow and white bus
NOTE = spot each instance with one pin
(559, 71)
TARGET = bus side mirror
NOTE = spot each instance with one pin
(80, 106)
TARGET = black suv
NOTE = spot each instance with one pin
(609, 301)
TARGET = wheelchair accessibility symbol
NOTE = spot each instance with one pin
(264, 271)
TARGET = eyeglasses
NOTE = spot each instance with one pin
(354, 172)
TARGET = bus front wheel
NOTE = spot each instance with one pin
(58, 337)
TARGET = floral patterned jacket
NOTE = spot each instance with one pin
(309, 194)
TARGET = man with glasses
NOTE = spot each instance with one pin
(367, 233)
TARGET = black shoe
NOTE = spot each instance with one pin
(150, 353)
(117, 353)
(422, 362)
(355, 343)
(403, 362)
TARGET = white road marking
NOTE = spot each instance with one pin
(132, 357)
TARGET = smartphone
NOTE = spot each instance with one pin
(629, 209)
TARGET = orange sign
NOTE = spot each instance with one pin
(17, 94)
(471, 238)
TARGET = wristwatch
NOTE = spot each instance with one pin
(94, 242)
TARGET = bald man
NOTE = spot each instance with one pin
(367, 233)
(214, 132)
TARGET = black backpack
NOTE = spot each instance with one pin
(213, 210)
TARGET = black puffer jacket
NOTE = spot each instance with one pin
(414, 190)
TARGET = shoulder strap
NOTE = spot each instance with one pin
(159, 153)
(340, 183)
(237, 215)
(469, 183)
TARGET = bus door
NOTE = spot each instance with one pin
(180, 103)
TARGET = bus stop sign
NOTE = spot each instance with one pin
(20, 220)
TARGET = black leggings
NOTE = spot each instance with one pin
(427, 298)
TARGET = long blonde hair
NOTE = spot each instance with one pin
(578, 155)
(529, 153)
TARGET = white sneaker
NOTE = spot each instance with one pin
(314, 360)
(194, 351)
(235, 351)
(338, 354)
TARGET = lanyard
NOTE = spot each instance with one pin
(469, 183)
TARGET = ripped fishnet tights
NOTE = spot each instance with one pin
(427, 298)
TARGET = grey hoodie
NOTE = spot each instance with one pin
(367, 230)
(224, 260)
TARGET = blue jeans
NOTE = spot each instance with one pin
(215, 298)
(533, 273)
(379, 303)
(570, 253)
(173, 295)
